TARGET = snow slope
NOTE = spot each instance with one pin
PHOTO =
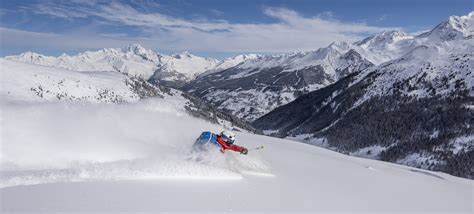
(29, 83)
(134, 158)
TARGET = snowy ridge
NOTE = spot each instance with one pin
(300, 60)
(426, 71)
(385, 46)
(134, 60)
(230, 62)
(137, 61)
(456, 27)
(186, 64)
(33, 83)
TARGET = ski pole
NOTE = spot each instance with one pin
(260, 147)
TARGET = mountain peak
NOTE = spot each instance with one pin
(395, 33)
(340, 46)
(384, 37)
(182, 53)
(185, 53)
(454, 27)
(246, 57)
(30, 54)
(462, 23)
(136, 48)
(391, 35)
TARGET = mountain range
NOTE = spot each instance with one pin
(257, 86)
(136, 61)
(414, 110)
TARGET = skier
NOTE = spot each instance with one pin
(224, 141)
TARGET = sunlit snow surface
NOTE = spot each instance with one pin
(61, 156)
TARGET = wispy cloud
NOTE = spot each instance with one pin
(383, 17)
(60, 11)
(34, 40)
(113, 35)
(290, 31)
(216, 12)
(146, 4)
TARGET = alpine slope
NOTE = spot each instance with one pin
(89, 155)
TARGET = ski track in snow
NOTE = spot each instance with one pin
(175, 168)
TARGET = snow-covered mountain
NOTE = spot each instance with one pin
(30, 83)
(256, 86)
(135, 158)
(134, 60)
(385, 46)
(414, 110)
(230, 62)
(456, 27)
(177, 69)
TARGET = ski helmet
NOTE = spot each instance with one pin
(228, 136)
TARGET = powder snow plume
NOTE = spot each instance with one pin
(65, 142)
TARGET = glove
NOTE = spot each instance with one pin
(244, 151)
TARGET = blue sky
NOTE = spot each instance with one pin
(210, 27)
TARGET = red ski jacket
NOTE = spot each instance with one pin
(226, 146)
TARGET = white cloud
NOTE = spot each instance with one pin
(289, 32)
(27, 39)
(113, 35)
